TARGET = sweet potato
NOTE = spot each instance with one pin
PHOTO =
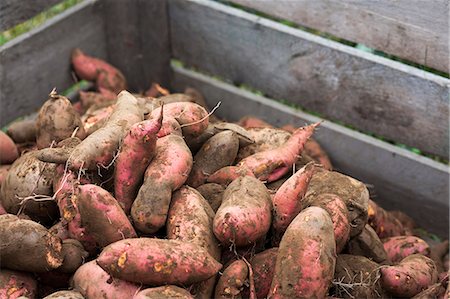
(190, 219)
(99, 147)
(434, 291)
(245, 213)
(195, 143)
(354, 193)
(264, 139)
(306, 257)
(8, 149)
(94, 119)
(357, 277)
(28, 177)
(213, 193)
(175, 98)
(22, 131)
(250, 122)
(93, 69)
(437, 253)
(385, 224)
(232, 281)
(74, 256)
(245, 138)
(102, 216)
(408, 223)
(263, 265)
(397, 248)
(156, 90)
(368, 244)
(193, 118)
(166, 173)
(135, 154)
(196, 96)
(315, 151)
(89, 98)
(164, 292)
(219, 151)
(412, 275)
(14, 284)
(60, 230)
(65, 295)
(3, 172)
(338, 212)
(169, 126)
(226, 175)
(56, 121)
(26, 245)
(155, 262)
(93, 282)
(2, 210)
(287, 202)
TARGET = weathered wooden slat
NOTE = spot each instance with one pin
(416, 30)
(13, 12)
(138, 40)
(344, 84)
(35, 62)
(400, 179)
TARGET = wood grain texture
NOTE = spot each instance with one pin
(13, 12)
(416, 30)
(138, 40)
(35, 62)
(397, 179)
(344, 84)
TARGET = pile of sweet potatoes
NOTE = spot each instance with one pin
(123, 195)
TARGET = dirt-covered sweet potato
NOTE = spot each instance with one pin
(22, 131)
(412, 275)
(264, 139)
(437, 253)
(190, 219)
(135, 154)
(250, 122)
(164, 292)
(93, 69)
(56, 121)
(2, 210)
(8, 149)
(89, 98)
(338, 212)
(408, 223)
(213, 193)
(60, 230)
(155, 262)
(384, 224)
(287, 202)
(217, 152)
(315, 151)
(434, 291)
(368, 244)
(232, 280)
(94, 119)
(65, 295)
(397, 248)
(357, 277)
(26, 245)
(166, 173)
(245, 213)
(93, 282)
(14, 284)
(353, 192)
(27, 179)
(306, 257)
(245, 138)
(3, 172)
(74, 256)
(227, 174)
(102, 216)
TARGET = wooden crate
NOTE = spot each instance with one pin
(343, 84)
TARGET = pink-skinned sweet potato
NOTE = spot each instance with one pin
(397, 248)
(156, 90)
(164, 292)
(353, 192)
(338, 212)
(93, 282)
(64, 295)
(135, 154)
(227, 174)
(192, 117)
(102, 216)
(245, 213)
(412, 275)
(169, 126)
(89, 98)
(22, 131)
(56, 121)
(217, 152)
(232, 280)
(306, 257)
(315, 151)
(8, 149)
(287, 202)
(155, 262)
(100, 147)
(2, 210)
(368, 244)
(14, 284)
(408, 223)
(190, 219)
(94, 119)
(434, 291)
(93, 69)
(385, 224)
(166, 173)
(250, 122)
(213, 193)
(26, 245)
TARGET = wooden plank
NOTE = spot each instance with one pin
(138, 40)
(13, 12)
(32, 64)
(341, 83)
(415, 30)
(400, 179)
